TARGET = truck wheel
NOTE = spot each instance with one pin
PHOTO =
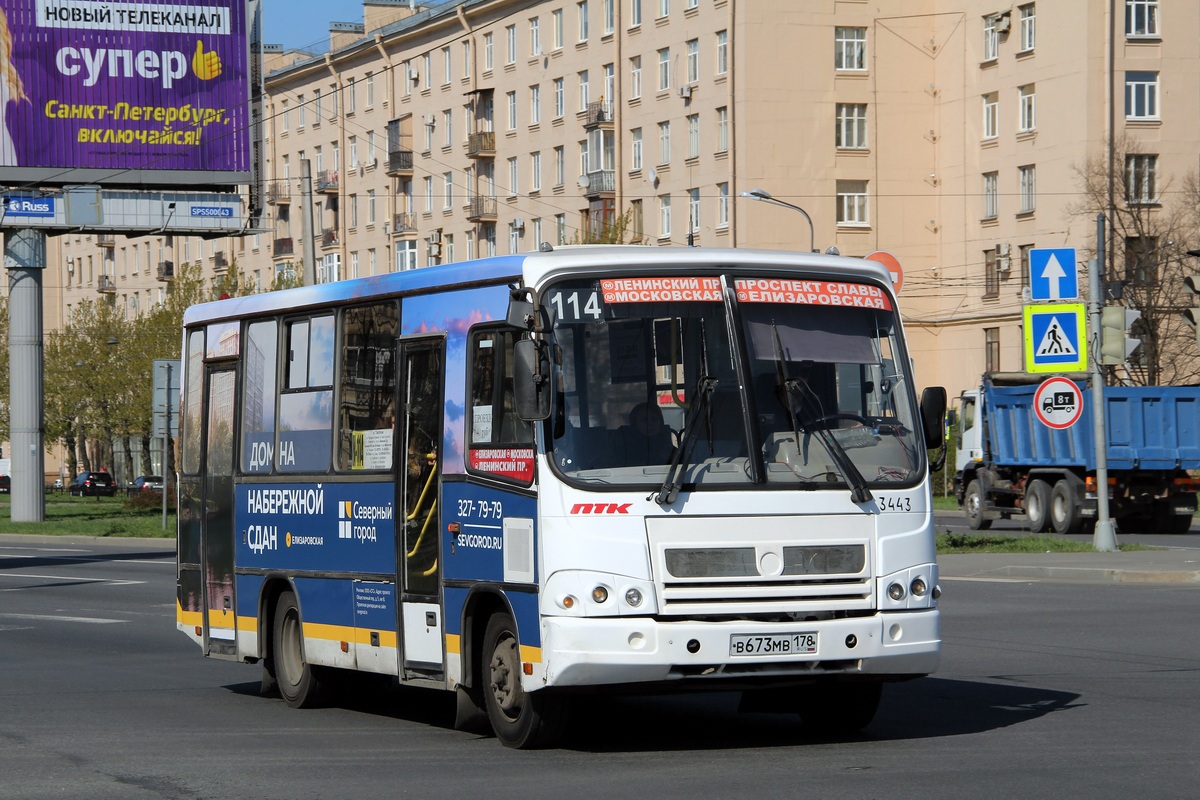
(1037, 505)
(1178, 524)
(520, 719)
(1064, 509)
(973, 505)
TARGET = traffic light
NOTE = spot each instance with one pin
(1192, 315)
(1116, 346)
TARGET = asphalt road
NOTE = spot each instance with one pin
(1045, 691)
(956, 521)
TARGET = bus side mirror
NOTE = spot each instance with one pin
(933, 410)
(532, 382)
(520, 313)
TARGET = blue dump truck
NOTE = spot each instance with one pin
(1010, 462)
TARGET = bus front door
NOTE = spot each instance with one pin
(421, 388)
(216, 516)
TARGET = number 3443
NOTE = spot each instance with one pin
(894, 503)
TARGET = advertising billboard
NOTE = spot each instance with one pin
(124, 92)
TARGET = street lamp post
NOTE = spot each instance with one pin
(762, 194)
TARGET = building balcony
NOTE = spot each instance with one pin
(283, 247)
(330, 237)
(404, 223)
(166, 270)
(106, 240)
(327, 181)
(220, 261)
(599, 113)
(400, 162)
(277, 192)
(481, 145)
(603, 181)
(482, 209)
(106, 285)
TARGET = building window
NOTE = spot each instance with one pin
(991, 349)
(447, 190)
(511, 99)
(635, 13)
(664, 216)
(1141, 260)
(1141, 17)
(1141, 185)
(535, 37)
(1026, 97)
(693, 123)
(559, 98)
(664, 9)
(535, 104)
(301, 110)
(447, 72)
(560, 228)
(466, 62)
(510, 44)
(991, 197)
(609, 16)
(1141, 95)
(991, 39)
(722, 205)
(991, 274)
(1028, 28)
(991, 103)
(583, 90)
(852, 203)
(693, 60)
(722, 129)
(693, 210)
(664, 142)
(1028, 175)
(635, 154)
(851, 130)
(850, 49)
(429, 195)
(488, 53)
(371, 81)
(1024, 250)
(664, 69)
(722, 52)
(535, 172)
(635, 77)
(560, 165)
(512, 177)
(582, 9)
(371, 206)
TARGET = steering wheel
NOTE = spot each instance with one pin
(826, 421)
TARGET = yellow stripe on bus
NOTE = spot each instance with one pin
(533, 655)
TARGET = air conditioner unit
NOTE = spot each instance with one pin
(685, 91)
(518, 224)
(1002, 249)
(1003, 23)
(413, 76)
(435, 249)
(435, 237)
(429, 119)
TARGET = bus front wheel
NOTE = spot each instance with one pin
(298, 681)
(520, 719)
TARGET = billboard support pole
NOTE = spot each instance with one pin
(25, 258)
(310, 241)
(1103, 538)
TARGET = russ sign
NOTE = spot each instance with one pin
(116, 85)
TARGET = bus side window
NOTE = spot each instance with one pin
(367, 410)
(500, 442)
(306, 403)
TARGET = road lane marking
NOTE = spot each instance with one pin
(75, 578)
(57, 618)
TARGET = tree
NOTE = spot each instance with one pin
(1150, 229)
(607, 229)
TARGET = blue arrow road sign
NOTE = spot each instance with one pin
(1053, 274)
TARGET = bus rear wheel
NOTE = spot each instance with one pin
(520, 719)
(299, 683)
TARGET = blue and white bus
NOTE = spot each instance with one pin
(583, 470)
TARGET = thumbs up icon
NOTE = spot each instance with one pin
(206, 65)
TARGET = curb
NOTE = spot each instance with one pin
(1094, 575)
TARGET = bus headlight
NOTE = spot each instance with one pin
(600, 594)
(896, 592)
(582, 593)
(633, 596)
(918, 587)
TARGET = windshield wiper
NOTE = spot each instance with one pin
(687, 440)
(797, 401)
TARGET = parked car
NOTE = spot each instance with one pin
(5, 484)
(152, 482)
(92, 484)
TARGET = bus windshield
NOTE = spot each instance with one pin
(730, 381)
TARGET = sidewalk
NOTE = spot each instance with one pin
(1170, 566)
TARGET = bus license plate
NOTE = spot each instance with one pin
(778, 644)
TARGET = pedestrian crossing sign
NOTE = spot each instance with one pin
(1056, 337)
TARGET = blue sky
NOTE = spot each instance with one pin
(305, 23)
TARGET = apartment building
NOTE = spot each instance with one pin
(950, 133)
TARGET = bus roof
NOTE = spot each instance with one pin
(533, 269)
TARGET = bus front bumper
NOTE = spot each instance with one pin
(600, 651)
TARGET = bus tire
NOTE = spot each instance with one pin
(1037, 505)
(973, 504)
(520, 719)
(840, 709)
(1064, 509)
(299, 682)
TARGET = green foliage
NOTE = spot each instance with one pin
(289, 278)
(949, 542)
(611, 231)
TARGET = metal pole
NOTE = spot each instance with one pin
(166, 442)
(1103, 539)
(25, 258)
(310, 241)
